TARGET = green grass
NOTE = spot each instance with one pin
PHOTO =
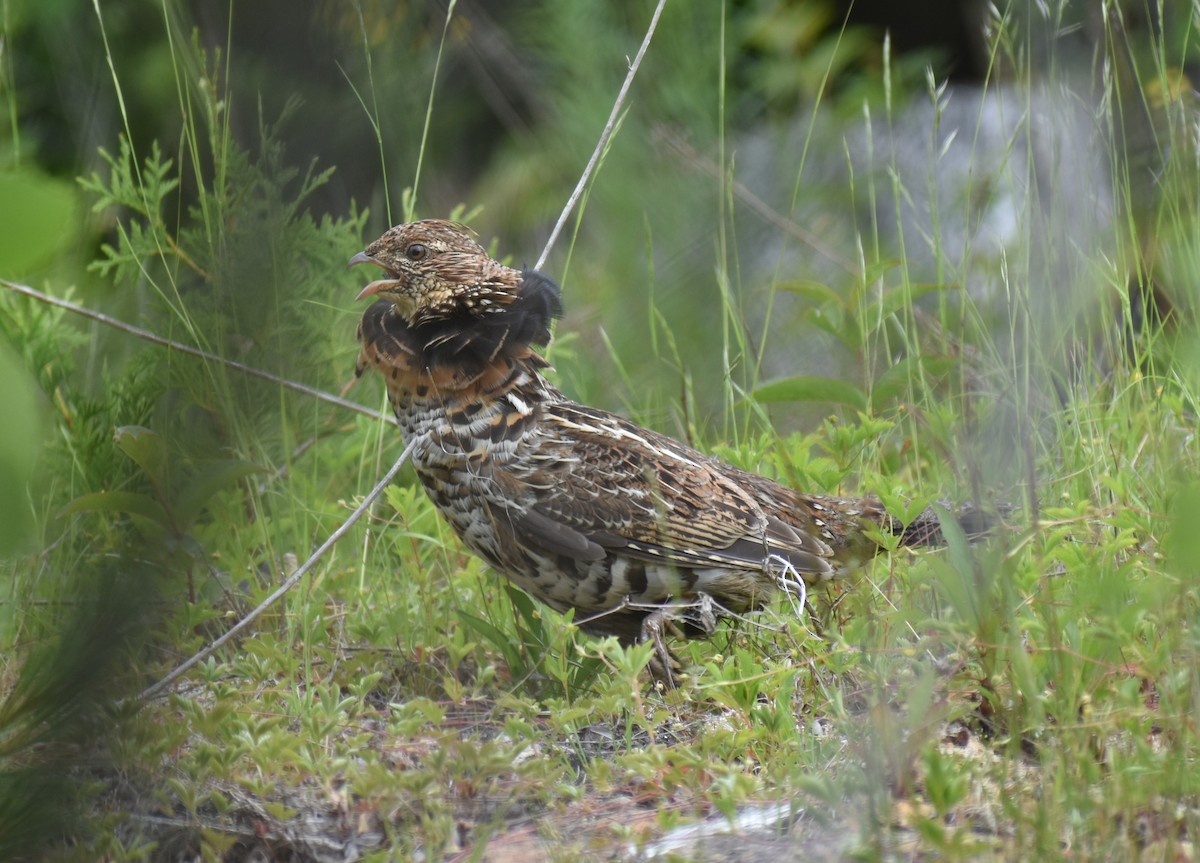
(1033, 697)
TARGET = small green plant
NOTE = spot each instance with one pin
(168, 512)
(540, 647)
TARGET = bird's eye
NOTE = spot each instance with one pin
(416, 252)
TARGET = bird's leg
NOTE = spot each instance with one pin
(664, 667)
(818, 628)
(701, 614)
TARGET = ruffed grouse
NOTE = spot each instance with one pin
(579, 507)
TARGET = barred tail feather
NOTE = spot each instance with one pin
(925, 530)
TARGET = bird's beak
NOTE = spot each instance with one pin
(375, 287)
(360, 258)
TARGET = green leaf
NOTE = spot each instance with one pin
(527, 611)
(32, 221)
(901, 297)
(956, 540)
(129, 502)
(877, 270)
(20, 437)
(506, 644)
(1183, 541)
(902, 507)
(839, 324)
(146, 448)
(893, 382)
(963, 581)
(207, 482)
(817, 291)
(805, 388)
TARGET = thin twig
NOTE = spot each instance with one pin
(116, 324)
(604, 136)
(155, 689)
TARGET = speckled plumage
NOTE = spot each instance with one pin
(579, 507)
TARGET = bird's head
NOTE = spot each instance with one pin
(458, 305)
(435, 270)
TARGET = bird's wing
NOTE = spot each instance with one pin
(597, 483)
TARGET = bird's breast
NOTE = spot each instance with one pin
(469, 434)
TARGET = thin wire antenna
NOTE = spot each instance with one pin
(604, 136)
(196, 658)
(117, 324)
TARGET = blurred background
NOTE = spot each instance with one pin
(768, 146)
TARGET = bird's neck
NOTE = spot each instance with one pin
(458, 388)
(443, 386)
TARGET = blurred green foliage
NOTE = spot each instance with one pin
(20, 437)
(38, 220)
(522, 93)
